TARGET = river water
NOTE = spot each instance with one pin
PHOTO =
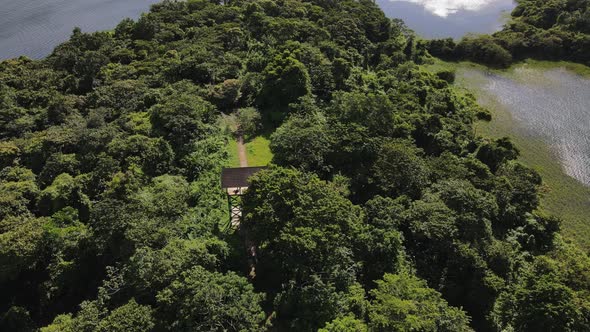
(34, 27)
(552, 105)
(449, 18)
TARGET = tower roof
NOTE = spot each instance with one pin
(237, 177)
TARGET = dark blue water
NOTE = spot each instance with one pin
(34, 27)
(449, 18)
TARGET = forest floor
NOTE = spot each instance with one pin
(561, 195)
(242, 152)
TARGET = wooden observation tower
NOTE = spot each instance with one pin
(235, 183)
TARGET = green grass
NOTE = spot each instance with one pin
(577, 68)
(439, 65)
(258, 151)
(234, 159)
(562, 195)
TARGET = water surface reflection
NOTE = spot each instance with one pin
(551, 104)
(449, 18)
(34, 27)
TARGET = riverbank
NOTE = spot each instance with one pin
(562, 195)
(580, 69)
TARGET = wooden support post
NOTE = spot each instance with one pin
(235, 210)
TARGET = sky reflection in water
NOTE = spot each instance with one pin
(449, 18)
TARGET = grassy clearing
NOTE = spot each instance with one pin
(570, 66)
(258, 151)
(234, 159)
(562, 195)
(439, 65)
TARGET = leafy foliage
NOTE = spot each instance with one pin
(384, 211)
(404, 303)
(545, 30)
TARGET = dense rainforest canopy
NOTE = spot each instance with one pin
(382, 211)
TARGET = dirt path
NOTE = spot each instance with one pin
(250, 246)
(242, 152)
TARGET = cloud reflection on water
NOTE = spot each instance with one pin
(444, 8)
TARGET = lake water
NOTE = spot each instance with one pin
(35, 27)
(552, 105)
(449, 18)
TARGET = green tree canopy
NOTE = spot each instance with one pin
(404, 303)
(210, 301)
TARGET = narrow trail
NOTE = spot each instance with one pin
(242, 152)
(249, 244)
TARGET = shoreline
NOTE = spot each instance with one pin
(561, 194)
